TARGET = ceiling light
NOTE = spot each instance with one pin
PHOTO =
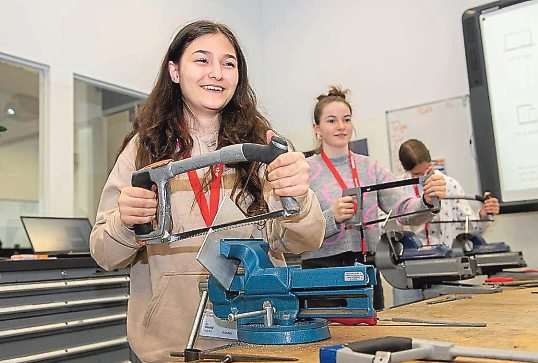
(20, 107)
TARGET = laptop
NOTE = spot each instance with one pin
(61, 237)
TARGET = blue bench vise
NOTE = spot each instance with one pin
(287, 305)
(491, 258)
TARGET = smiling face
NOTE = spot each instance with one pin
(335, 128)
(207, 74)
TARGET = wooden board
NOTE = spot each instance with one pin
(511, 317)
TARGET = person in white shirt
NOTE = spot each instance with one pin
(415, 159)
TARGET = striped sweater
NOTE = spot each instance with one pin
(322, 182)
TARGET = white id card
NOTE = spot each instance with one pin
(216, 328)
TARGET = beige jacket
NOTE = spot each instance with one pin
(164, 278)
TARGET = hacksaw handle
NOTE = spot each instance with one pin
(436, 202)
(267, 154)
(142, 181)
(483, 199)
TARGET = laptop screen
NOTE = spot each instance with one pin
(58, 236)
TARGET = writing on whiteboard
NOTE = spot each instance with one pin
(445, 128)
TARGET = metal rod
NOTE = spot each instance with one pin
(433, 322)
(504, 354)
(233, 317)
(268, 318)
(375, 221)
(461, 221)
(197, 320)
(477, 198)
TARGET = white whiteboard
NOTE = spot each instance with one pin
(445, 128)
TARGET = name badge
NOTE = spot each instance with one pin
(216, 328)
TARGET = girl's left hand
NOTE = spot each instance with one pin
(434, 186)
(491, 206)
(288, 173)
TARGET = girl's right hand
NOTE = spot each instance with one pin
(137, 206)
(344, 208)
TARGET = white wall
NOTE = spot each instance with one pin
(120, 42)
(389, 53)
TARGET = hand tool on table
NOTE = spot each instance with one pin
(233, 357)
(490, 258)
(399, 349)
(402, 259)
(406, 264)
(287, 305)
(435, 322)
(448, 298)
(437, 270)
(277, 305)
(520, 274)
(509, 281)
(374, 319)
(160, 173)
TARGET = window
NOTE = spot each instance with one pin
(20, 105)
(103, 115)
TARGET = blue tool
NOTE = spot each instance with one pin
(287, 305)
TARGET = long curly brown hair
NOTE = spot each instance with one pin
(161, 123)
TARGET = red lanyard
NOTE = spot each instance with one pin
(426, 228)
(214, 193)
(336, 174)
(356, 181)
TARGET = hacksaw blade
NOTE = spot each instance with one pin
(231, 224)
